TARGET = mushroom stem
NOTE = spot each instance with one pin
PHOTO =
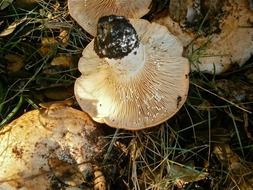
(129, 66)
(118, 44)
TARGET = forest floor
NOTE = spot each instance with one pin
(206, 145)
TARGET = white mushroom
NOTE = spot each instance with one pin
(136, 78)
(87, 12)
(216, 53)
(32, 145)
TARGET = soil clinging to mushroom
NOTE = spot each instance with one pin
(49, 148)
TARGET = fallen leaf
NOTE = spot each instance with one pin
(26, 4)
(47, 41)
(64, 37)
(184, 175)
(178, 175)
(62, 60)
(12, 27)
(47, 45)
(14, 62)
(239, 170)
(59, 93)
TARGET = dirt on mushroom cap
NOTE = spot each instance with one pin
(29, 143)
(216, 53)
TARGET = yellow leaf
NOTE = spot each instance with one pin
(64, 37)
(62, 60)
(47, 45)
(14, 62)
(12, 27)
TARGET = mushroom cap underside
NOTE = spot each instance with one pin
(29, 143)
(149, 98)
(87, 12)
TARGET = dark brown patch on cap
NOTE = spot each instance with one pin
(116, 37)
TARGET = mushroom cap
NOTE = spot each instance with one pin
(216, 53)
(30, 143)
(87, 12)
(151, 96)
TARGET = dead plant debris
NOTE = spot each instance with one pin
(206, 145)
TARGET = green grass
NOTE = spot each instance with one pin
(44, 21)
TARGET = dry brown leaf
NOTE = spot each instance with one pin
(184, 175)
(240, 172)
(64, 37)
(26, 4)
(14, 62)
(62, 60)
(177, 174)
(48, 41)
(12, 27)
(59, 93)
(47, 44)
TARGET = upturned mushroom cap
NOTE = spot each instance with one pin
(138, 90)
(87, 12)
(32, 145)
(216, 53)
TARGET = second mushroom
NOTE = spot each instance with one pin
(133, 74)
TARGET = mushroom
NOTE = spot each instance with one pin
(51, 147)
(216, 52)
(87, 12)
(133, 74)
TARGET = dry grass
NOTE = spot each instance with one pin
(179, 154)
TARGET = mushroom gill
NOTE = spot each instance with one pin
(139, 90)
